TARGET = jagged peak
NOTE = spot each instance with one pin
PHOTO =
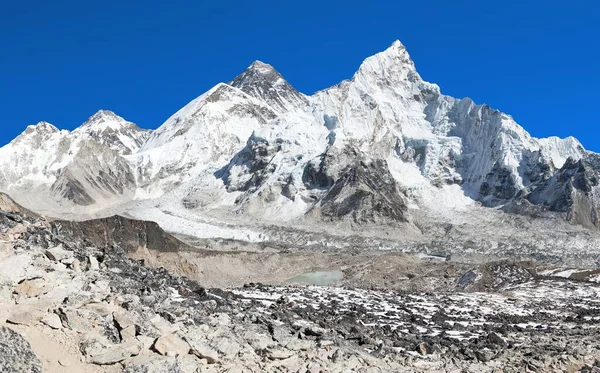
(390, 64)
(41, 127)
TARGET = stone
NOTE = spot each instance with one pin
(145, 341)
(30, 288)
(58, 253)
(91, 347)
(299, 345)
(279, 354)
(326, 343)
(52, 320)
(497, 340)
(71, 319)
(23, 317)
(16, 354)
(171, 345)
(485, 355)
(128, 333)
(123, 319)
(111, 356)
(93, 263)
(424, 349)
(226, 346)
(202, 349)
(145, 364)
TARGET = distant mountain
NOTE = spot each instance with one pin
(385, 148)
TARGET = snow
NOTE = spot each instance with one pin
(199, 229)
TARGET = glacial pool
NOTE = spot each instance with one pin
(317, 278)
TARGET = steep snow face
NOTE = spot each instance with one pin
(207, 131)
(559, 150)
(36, 165)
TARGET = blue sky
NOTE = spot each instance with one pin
(61, 61)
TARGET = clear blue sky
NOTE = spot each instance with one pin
(61, 61)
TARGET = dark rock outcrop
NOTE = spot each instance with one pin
(366, 192)
(572, 191)
(120, 231)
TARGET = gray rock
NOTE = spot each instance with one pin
(485, 355)
(497, 340)
(171, 345)
(144, 364)
(58, 253)
(16, 354)
(93, 263)
(24, 317)
(202, 349)
(111, 356)
(52, 320)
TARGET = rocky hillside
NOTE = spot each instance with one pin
(66, 306)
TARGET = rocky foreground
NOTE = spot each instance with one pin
(67, 307)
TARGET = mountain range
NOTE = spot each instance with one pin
(384, 156)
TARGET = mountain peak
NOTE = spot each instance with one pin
(392, 65)
(262, 81)
(397, 44)
(261, 67)
(104, 120)
(104, 116)
(41, 127)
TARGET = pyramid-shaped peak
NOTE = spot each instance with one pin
(262, 81)
(261, 67)
(105, 115)
(104, 120)
(392, 65)
(397, 44)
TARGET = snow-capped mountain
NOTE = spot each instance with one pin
(52, 169)
(384, 147)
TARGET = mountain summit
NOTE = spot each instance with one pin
(262, 81)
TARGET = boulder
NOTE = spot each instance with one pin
(24, 317)
(58, 253)
(171, 345)
(146, 364)
(202, 349)
(16, 354)
(52, 320)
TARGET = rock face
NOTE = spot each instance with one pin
(573, 191)
(16, 355)
(366, 192)
(126, 233)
